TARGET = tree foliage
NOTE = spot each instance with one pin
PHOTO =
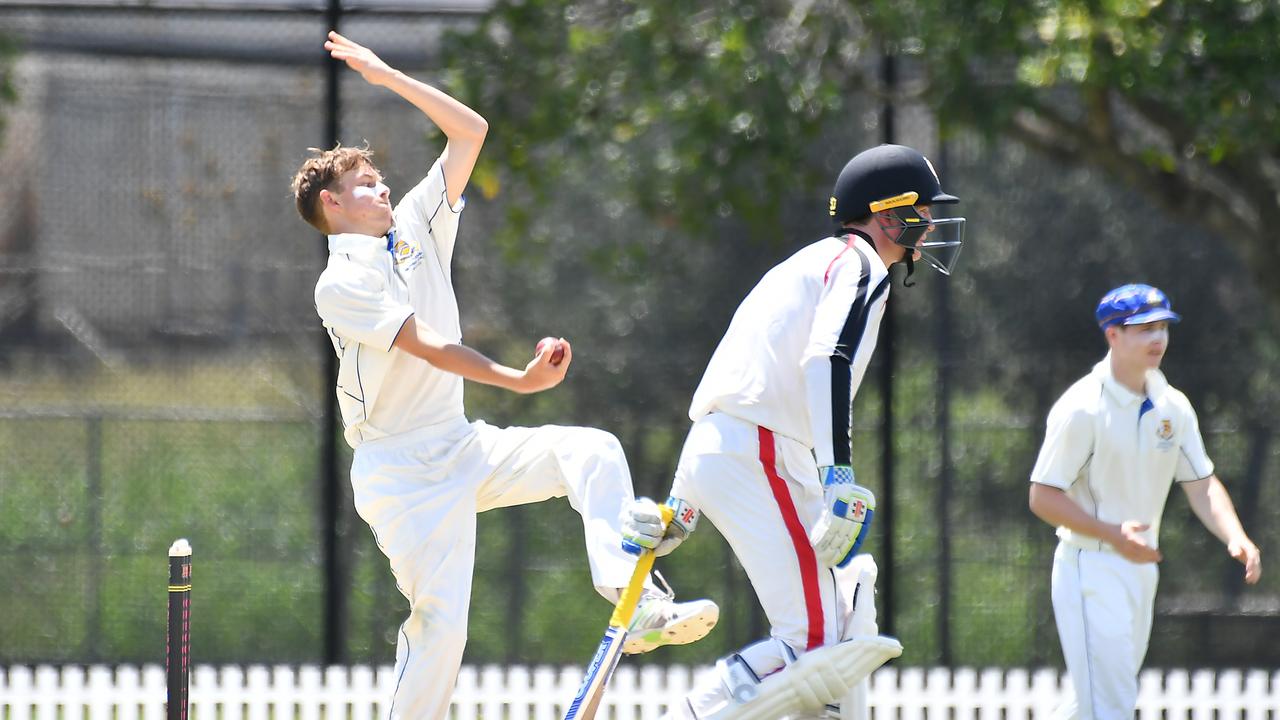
(7, 92)
(694, 113)
(633, 144)
(1175, 98)
(684, 113)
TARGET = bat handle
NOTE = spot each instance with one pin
(626, 606)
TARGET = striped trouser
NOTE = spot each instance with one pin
(762, 492)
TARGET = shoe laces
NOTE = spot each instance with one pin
(656, 606)
(668, 593)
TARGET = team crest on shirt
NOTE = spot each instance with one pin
(1164, 431)
(407, 255)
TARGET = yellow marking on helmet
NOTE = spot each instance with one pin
(907, 198)
(832, 209)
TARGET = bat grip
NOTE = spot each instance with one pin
(626, 606)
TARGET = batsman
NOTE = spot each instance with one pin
(768, 458)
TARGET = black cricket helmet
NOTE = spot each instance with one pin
(896, 178)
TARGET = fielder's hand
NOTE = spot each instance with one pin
(359, 58)
(1131, 544)
(642, 526)
(1243, 549)
(846, 518)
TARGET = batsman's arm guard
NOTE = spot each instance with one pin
(818, 678)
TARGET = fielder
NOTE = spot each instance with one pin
(768, 457)
(421, 471)
(1114, 444)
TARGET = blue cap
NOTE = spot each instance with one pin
(1134, 305)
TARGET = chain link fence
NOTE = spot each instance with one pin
(163, 373)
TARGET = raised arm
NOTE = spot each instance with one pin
(464, 127)
(1211, 503)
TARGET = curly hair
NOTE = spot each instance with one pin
(321, 172)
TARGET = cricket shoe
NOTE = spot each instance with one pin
(660, 620)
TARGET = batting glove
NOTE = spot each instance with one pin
(642, 527)
(846, 517)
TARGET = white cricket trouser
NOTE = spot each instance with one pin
(1103, 606)
(420, 492)
(762, 492)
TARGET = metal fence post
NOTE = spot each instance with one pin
(335, 592)
(884, 508)
(93, 578)
(942, 425)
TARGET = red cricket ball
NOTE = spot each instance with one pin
(557, 353)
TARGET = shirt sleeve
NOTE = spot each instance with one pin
(357, 306)
(428, 203)
(1193, 461)
(846, 324)
(1068, 444)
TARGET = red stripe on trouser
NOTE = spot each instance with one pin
(799, 538)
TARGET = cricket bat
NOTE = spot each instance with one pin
(605, 661)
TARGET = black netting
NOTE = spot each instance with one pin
(163, 373)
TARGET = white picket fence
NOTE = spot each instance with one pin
(360, 692)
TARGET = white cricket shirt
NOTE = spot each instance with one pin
(798, 346)
(1116, 454)
(364, 297)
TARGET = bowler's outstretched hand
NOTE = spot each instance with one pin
(359, 58)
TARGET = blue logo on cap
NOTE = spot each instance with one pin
(1134, 305)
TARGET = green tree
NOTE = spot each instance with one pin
(697, 113)
(1173, 97)
(688, 116)
(636, 146)
(7, 92)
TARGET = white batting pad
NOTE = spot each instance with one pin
(818, 678)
